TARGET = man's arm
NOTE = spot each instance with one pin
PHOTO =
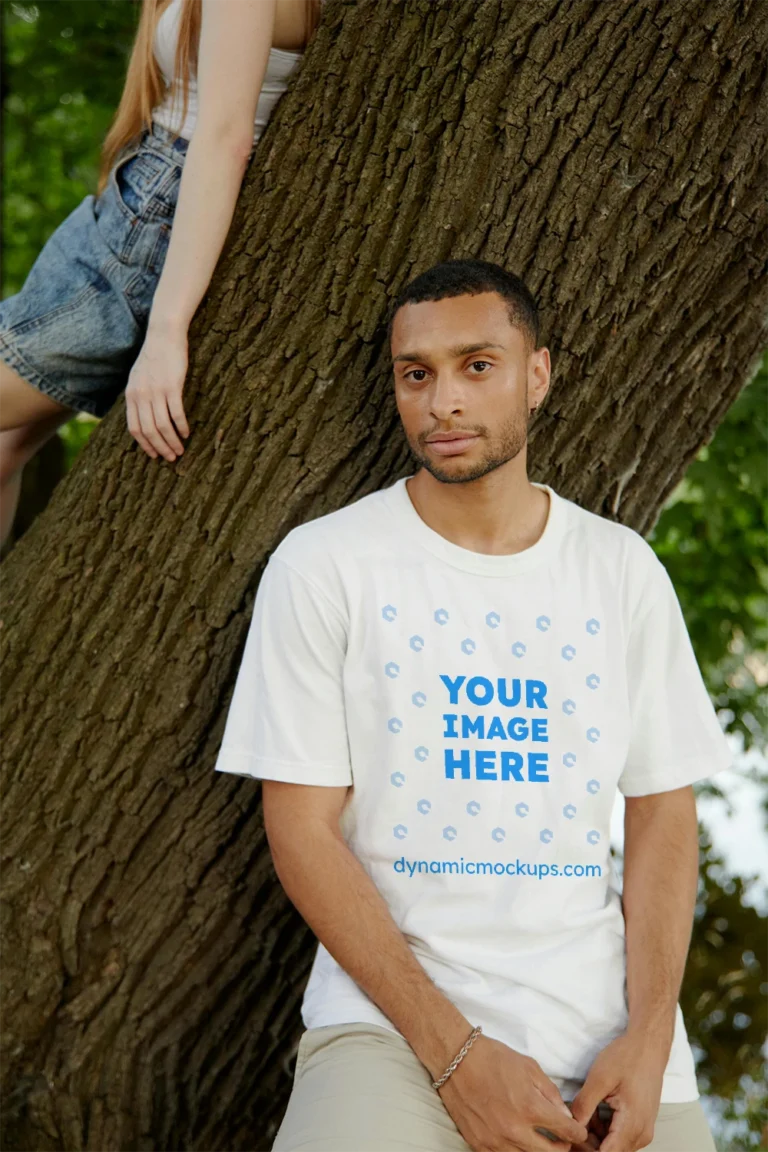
(497, 1097)
(337, 898)
(661, 861)
(661, 864)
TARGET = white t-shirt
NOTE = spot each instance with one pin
(281, 63)
(485, 708)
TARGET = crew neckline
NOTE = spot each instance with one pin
(481, 563)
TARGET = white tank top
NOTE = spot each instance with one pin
(280, 64)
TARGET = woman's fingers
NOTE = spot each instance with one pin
(153, 394)
(151, 433)
(134, 426)
(176, 409)
(164, 424)
(149, 422)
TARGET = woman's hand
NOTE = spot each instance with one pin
(153, 393)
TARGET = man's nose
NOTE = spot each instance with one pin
(446, 398)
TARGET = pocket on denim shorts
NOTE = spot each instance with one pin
(147, 185)
(134, 215)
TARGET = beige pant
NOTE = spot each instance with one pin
(361, 1088)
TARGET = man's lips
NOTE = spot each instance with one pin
(451, 443)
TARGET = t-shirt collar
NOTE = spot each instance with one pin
(483, 564)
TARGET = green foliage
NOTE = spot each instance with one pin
(63, 74)
(712, 536)
(713, 540)
(64, 71)
(724, 998)
(75, 434)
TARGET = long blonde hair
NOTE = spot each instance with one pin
(145, 84)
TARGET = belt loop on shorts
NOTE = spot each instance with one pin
(160, 132)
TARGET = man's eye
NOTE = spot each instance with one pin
(481, 362)
(411, 373)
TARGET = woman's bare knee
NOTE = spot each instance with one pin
(22, 404)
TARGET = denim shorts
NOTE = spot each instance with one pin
(78, 323)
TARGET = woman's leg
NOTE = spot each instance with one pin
(22, 404)
(28, 418)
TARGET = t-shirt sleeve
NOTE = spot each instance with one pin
(287, 717)
(675, 735)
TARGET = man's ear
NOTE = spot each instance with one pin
(539, 371)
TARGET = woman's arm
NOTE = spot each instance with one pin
(235, 40)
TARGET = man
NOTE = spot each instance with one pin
(443, 685)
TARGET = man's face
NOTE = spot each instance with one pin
(461, 366)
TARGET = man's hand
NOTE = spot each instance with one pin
(628, 1076)
(499, 1098)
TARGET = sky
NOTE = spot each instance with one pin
(740, 837)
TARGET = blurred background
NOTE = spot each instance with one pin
(63, 64)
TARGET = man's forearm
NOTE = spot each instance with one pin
(661, 862)
(341, 904)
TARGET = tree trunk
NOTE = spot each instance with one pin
(611, 154)
(39, 479)
(4, 97)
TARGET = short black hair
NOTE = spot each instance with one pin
(461, 277)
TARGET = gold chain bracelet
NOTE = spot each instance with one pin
(458, 1058)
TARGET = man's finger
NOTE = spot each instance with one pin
(543, 1084)
(543, 1139)
(594, 1089)
(623, 1132)
(560, 1124)
(590, 1144)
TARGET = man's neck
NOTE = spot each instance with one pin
(495, 515)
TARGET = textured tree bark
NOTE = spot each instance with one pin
(612, 155)
(4, 97)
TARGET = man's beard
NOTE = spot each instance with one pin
(510, 441)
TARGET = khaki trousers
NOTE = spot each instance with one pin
(361, 1088)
